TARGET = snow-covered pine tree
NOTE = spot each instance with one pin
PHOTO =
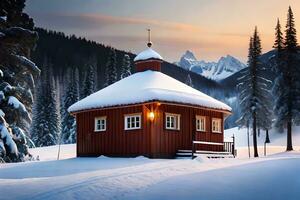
(254, 93)
(243, 88)
(111, 68)
(17, 74)
(126, 67)
(70, 97)
(89, 82)
(286, 89)
(189, 81)
(45, 127)
(76, 82)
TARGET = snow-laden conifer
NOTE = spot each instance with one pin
(17, 75)
(71, 95)
(111, 68)
(254, 93)
(45, 128)
(89, 82)
(286, 89)
(126, 67)
(189, 81)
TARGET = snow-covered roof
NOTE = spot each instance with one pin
(144, 87)
(147, 54)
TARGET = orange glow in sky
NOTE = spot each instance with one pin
(209, 28)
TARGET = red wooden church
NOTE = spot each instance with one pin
(149, 114)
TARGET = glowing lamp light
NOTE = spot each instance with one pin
(151, 116)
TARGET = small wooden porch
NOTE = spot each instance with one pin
(228, 150)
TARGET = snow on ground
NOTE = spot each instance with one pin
(51, 153)
(278, 141)
(272, 177)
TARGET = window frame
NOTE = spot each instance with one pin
(219, 123)
(177, 120)
(96, 124)
(198, 118)
(132, 116)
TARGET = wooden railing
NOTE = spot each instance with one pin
(227, 146)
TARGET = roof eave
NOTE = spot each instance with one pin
(148, 60)
(226, 112)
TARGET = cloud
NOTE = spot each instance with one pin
(96, 20)
(141, 21)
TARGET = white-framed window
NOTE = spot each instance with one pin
(216, 125)
(100, 124)
(200, 123)
(132, 121)
(172, 121)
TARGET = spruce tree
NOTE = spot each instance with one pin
(111, 68)
(17, 75)
(126, 67)
(286, 89)
(45, 127)
(71, 96)
(243, 89)
(254, 93)
(278, 44)
(189, 81)
(89, 82)
(290, 32)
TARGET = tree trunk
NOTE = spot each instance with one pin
(289, 145)
(248, 140)
(267, 137)
(254, 136)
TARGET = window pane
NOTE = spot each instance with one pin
(172, 123)
(128, 122)
(128, 119)
(202, 124)
(132, 122)
(137, 122)
(168, 124)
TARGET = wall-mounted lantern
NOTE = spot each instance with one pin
(151, 116)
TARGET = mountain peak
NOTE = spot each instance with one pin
(226, 66)
(189, 55)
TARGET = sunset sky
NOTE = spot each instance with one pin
(209, 28)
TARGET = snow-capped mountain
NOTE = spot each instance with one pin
(225, 66)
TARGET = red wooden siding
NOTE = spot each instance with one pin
(154, 65)
(152, 139)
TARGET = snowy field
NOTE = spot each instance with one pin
(276, 176)
(277, 145)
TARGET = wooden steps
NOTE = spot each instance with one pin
(208, 154)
